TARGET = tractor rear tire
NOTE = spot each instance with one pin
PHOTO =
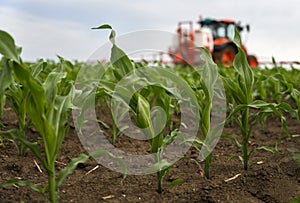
(226, 55)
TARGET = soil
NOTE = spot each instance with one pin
(271, 177)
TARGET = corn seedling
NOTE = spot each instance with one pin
(241, 89)
(205, 86)
(48, 111)
(140, 101)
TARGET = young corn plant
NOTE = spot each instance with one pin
(6, 77)
(205, 87)
(11, 91)
(5, 81)
(140, 104)
(48, 109)
(17, 97)
(241, 90)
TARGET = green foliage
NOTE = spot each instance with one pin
(7, 46)
(150, 105)
(296, 200)
(46, 102)
(205, 92)
(42, 94)
(240, 89)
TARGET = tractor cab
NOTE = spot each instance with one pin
(223, 34)
(215, 35)
(221, 29)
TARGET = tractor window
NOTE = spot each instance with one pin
(221, 32)
(230, 31)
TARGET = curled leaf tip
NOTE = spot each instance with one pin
(104, 26)
(237, 38)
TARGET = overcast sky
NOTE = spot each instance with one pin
(46, 28)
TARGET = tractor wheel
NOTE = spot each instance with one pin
(226, 55)
(252, 60)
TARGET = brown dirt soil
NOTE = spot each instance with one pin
(271, 178)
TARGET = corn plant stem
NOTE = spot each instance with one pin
(2, 103)
(22, 146)
(53, 193)
(159, 182)
(156, 140)
(207, 163)
(22, 124)
(206, 132)
(157, 157)
(114, 132)
(245, 137)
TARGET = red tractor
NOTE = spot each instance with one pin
(215, 35)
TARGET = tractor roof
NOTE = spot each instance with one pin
(211, 21)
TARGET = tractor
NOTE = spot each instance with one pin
(215, 35)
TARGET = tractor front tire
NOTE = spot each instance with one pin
(252, 60)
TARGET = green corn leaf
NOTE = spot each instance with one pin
(237, 38)
(104, 26)
(5, 81)
(60, 118)
(209, 72)
(32, 146)
(36, 108)
(121, 62)
(274, 62)
(195, 140)
(170, 138)
(5, 78)
(269, 149)
(99, 153)
(7, 46)
(158, 119)
(50, 85)
(2, 104)
(112, 33)
(257, 104)
(246, 76)
(241, 159)
(175, 182)
(295, 94)
(236, 110)
(205, 120)
(233, 90)
(23, 183)
(143, 117)
(37, 100)
(86, 101)
(118, 58)
(112, 36)
(38, 68)
(102, 123)
(233, 156)
(69, 169)
(161, 165)
(163, 100)
(108, 86)
(296, 200)
(232, 138)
